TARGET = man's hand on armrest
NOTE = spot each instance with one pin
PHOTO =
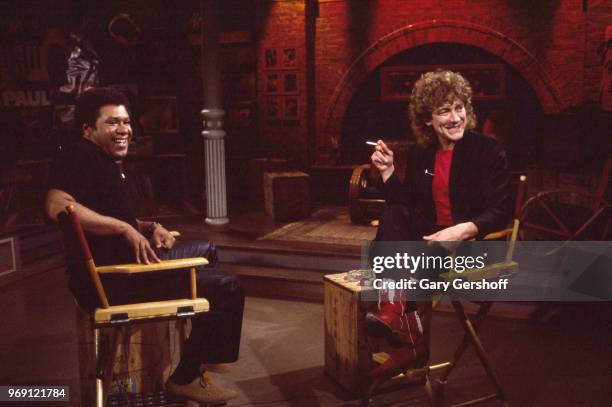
(456, 233)
(97, 224)
(143, 252)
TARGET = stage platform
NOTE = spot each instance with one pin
(274, 263)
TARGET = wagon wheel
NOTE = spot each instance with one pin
(356, 183)
(363, 197)
(565, 215)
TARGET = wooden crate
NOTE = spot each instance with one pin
(347, 350)
(257, 168)
(287, 195)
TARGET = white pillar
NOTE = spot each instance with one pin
(214, 161)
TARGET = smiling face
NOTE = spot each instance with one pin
(112, 131)
(448, 122)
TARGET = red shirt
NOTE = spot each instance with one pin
(442, 167)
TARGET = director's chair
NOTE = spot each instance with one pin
(423, 375)
(116, 318)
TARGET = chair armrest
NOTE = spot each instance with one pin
(499, 234)
(132, 268)
(148, 310)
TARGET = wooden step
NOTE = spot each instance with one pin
(298, 275)
(261, 281)
(271, 257)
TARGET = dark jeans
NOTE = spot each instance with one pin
(215, 335)
(398, 223)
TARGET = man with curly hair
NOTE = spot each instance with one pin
(456, 188)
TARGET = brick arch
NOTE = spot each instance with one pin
(430, 32)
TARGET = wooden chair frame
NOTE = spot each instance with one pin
(470, 325)
(118, 317)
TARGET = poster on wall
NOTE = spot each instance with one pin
(160, 115)
(283, 58)
(270, 58)
(29, 118)
(291, 107)
(272, 108)
(290, 83)
(289, 58)
(271, 84)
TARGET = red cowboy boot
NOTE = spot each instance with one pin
(409, 356)
(414, 336)
(389, 321)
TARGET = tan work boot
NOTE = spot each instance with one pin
(202, 390)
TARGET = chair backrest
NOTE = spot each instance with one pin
(520, 196)
(77, 247)
(511, 233)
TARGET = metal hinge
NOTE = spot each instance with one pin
(186, 311)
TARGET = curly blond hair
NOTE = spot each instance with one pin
(433, 90)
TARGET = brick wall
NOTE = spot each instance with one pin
(282, 106)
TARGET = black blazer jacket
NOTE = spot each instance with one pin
(479, 184)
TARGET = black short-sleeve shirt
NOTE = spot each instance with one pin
(94, 179)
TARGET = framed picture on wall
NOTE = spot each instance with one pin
(271, 84)
(289, 58)
(272, 107)
(280, 58)
(290, 83)
(488, 80)
(160, 115)
(271, 59)
(290, 107)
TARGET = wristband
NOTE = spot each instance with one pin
(151, 228)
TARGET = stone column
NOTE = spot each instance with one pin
(214, 143)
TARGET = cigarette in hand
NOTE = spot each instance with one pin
(371, 143)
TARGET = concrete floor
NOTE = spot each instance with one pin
(564, 362)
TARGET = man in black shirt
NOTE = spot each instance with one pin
(86, 175)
